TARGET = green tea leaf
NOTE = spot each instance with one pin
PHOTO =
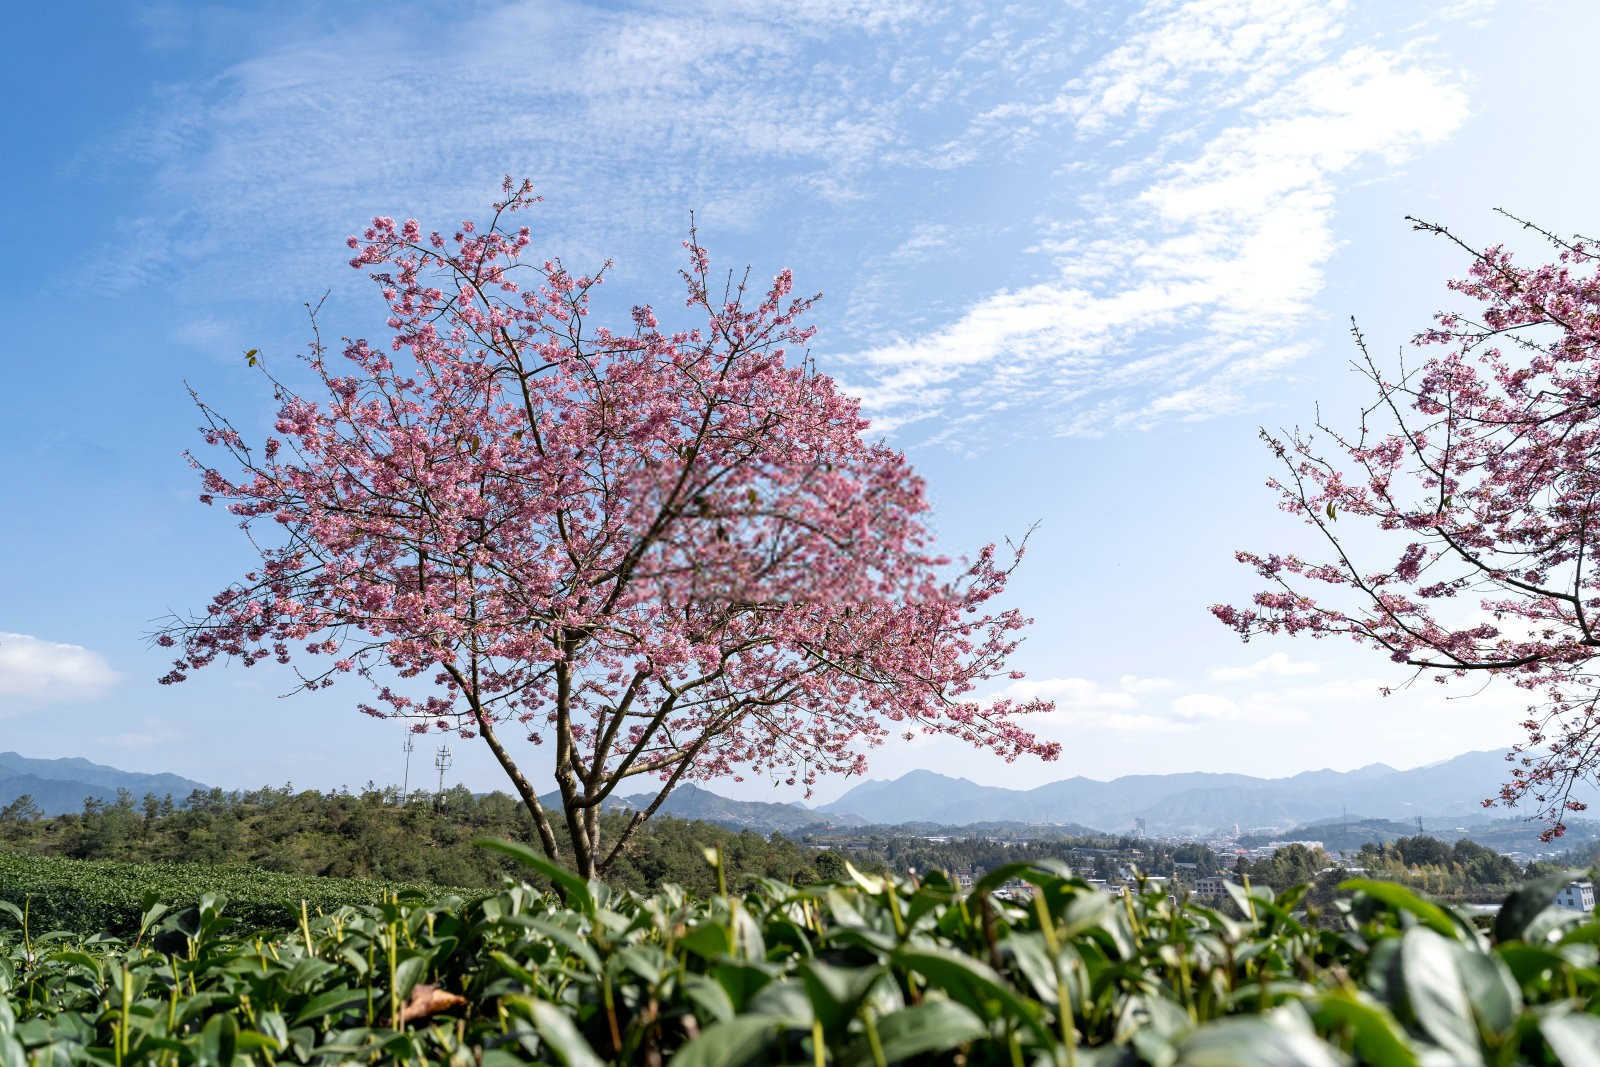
(408, 973)
(220, 1038)
(1435, 994)
(1573, 1037)
(1041, 872)
(1491, 988)
(555, 1027)
(1525, 904)
(729, 1044)
(1253, 1042)
(332, 1003)
(1400, 898)
(837, 992)
(1378, 1038)
(968, 981)
(573, 889)
(932, 1026)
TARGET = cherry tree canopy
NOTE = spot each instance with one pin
(668, 554)
(1482, 463)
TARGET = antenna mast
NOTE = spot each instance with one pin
(405, 786)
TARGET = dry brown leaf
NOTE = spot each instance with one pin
(429, 1000)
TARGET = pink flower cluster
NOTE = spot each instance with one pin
(1482, 464)
(670, 554)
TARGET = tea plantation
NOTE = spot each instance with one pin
(867, 971)
(91, 897)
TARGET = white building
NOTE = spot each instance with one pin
(1576, 896)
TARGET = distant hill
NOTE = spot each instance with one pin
(690, 802)
(1502, 835)
(59, 786)
(1445, 794)
(1190, 802)
(1009, 831)
(1342, 835)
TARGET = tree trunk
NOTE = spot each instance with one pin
(530, 799)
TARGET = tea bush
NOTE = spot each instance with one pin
(866, 971)
(97, 897)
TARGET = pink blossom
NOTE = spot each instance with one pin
(670, 555)
(1483, 460)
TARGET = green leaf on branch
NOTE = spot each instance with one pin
(574, 889)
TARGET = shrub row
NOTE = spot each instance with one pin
(90, 897)
(871, 971)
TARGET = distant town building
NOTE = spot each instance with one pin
(1576, 896)
(1213, 887)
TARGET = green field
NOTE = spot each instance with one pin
(88, 897)
(1032, 967)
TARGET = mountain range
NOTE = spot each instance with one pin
(1191, 802)
(59, 786)
(690, 802)
(1188, 803)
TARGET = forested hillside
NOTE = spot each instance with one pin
(373, 835)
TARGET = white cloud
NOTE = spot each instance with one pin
(134, 739)
(925, 239)
(1132, 683)
(150, 731)
(1281, 708)
(626, 120)
(1170, 299)
(207, 332)
(1062, 721)
(1084, 704)
(1078, 693)
(1085, 692)
(1278, 664)
(1153, 72)
(1210, 707)
(1474, 12)
(1087, 704)
(35, 672)
(1204, 706)
(1199, 147)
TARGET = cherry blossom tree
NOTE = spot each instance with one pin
(660, 554)
(1479, 464)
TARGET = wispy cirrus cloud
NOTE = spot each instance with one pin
(1232, 51)
(626, 119)
(1208, 150)
(1166, 173)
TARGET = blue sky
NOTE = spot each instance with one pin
(1073, 255)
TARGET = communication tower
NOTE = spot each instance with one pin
(441, 762)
